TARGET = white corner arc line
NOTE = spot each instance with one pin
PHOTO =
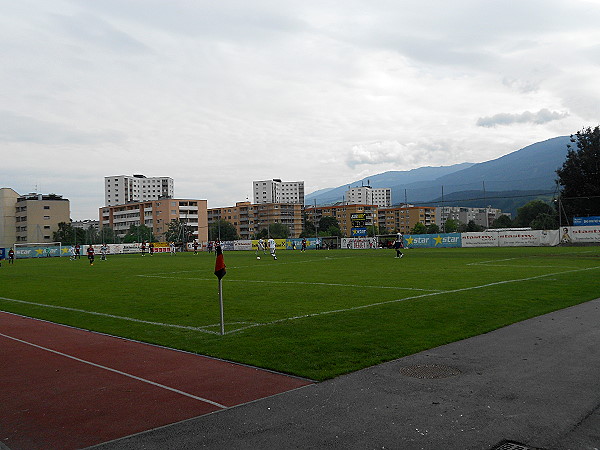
(110, 369)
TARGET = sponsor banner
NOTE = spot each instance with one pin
(586, 221)
(242, 245)
(358, 232)
(432, 240)
(580, 235)
(3, 253)
(280, 244)
(529, 238)
(485, 239)
(549, 238)
(37, 252)
(359, 243)
(296, 244)
(132, 248)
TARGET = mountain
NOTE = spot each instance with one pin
(383, 180)
(532, 168)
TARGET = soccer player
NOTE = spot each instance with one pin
(172, 247)
(103, 252)
(260, 246)
(11, 256)
(397, 247)
(271, 243)
(195, 245)
(90, 254)
(143, 248)
(303, 249)
(77, 251)
(151, 247)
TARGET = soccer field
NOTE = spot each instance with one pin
(316, 314)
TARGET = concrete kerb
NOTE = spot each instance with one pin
(534, 382)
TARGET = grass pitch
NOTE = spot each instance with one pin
(316, 314)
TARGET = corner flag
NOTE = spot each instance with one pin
(220, 264)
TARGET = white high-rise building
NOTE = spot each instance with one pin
(123, 189)
(366, 195)
(277, 191)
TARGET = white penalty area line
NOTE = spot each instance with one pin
(355, 308)
(112, 316)
(302, 283)
(110, 369)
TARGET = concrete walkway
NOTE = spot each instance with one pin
(535, 383)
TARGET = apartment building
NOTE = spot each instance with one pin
(349, 217)
(31, 218)
(367, 195)
(157, 215)
(401, 219)
(123, 189)
(249, 219)
(480, 216)
(277, 191)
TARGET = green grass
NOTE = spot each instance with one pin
(317, 314)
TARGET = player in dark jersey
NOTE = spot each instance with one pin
(90, 254)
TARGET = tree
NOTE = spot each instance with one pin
(222, 230)
(372, 230)
(470, 227)
(528, 212)
(544, 221)
(107, 235)
(419, 228)
(331, 231)
(308, 230)
(502, 222)
(579, 176)
(139, 233)
(433, 229)
(328, 221)
(278, 231)
(68, 234)
(178, 231)
(451, 226)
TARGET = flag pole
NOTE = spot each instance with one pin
(221, 305)
(220, 273)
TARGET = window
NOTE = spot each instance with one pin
(46, 227)
(46, 217)
(46, 207)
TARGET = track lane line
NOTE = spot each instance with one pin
(110, 369)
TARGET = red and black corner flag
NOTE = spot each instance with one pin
(220, 264)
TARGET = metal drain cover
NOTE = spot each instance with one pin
(429, 371)
(510, 445)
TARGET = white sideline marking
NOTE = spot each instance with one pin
(112, 316)
(253, 325)
(117, 372)
(303, 283)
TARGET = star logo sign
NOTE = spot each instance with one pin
(438, 240)
(410, 240)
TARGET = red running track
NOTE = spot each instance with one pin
(67, 388)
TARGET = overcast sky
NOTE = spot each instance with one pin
(216, 94)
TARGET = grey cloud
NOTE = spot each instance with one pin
(16, 128)
(540, 117)
(91, 29)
